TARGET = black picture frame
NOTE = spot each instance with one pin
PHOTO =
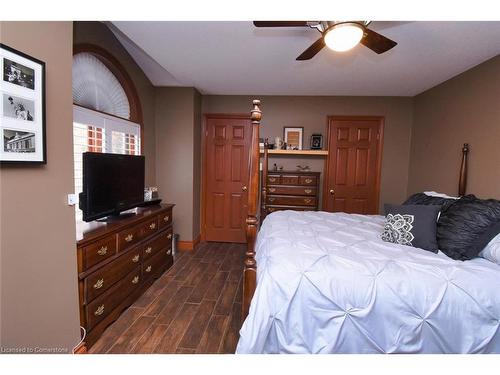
(23, 86)
(316, 142)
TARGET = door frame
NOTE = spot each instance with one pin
(204, 135)
(380, 148)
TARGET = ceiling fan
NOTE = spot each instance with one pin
(337, 35)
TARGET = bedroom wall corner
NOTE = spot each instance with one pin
(197, 164)
(38, 276)
(463, 109)
(175, 154)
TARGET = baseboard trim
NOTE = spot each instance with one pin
(188, 245)
(81, 349)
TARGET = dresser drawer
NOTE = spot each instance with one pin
(291, 190)
(150, 227)
(291, 200)
(98, 309)
(154, 266)
(289, 180)
(308, 180)
(128, 237)
(273, 179)
(98, 251)
(270, 209)
(165, 219)
(162, 241)
(101, 280)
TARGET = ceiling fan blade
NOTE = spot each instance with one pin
(279, 23)
(312, 50)
(376, 42)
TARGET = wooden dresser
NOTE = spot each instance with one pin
(292, 191)
(118, 261)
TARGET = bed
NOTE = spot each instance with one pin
(327, 283)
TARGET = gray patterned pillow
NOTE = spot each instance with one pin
(412, 225)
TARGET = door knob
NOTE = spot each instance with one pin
(332, 191)
(244, 188)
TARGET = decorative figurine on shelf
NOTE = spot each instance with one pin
(280, 168)
(304, 168)
(284, 146)
(316, 142)
(275, 167)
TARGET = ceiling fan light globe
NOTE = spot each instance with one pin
(343, 37)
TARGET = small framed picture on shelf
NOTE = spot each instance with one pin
(293, 137)
(22, 108)
(316, 142)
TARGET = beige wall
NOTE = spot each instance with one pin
(39, 292)
(97, 33)
(177, 160)
(464, 109)
(311, 113)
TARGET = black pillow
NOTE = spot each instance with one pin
(412, 225)
(468, 226)
(421, 198)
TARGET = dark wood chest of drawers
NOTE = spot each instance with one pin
(292, 191)
(118, 261)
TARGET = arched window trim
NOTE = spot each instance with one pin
(121, 75)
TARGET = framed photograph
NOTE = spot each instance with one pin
(22, 108)
(293, 137)
(316, 142)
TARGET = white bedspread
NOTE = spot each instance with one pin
(327, 283)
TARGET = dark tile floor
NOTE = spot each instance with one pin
(194, 307)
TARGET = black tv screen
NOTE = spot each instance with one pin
(112, 183)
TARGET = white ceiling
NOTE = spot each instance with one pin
(236, 58)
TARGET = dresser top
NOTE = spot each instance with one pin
(86, 232)
(295, 173)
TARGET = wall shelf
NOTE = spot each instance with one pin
(296, 152)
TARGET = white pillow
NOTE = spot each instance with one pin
(440, 195)
(492, 250)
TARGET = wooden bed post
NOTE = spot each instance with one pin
(462, 183)
(250, 271)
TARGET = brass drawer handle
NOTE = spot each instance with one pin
(152, 226)
(99, 283)
(148, 250)
(272, 190)
(307, 200)
(308, 180)
(148, 269)
(135, 259)
(129, 237)
(99, 310)
(169, 252)
(271, 199)
(169, 236)
(103, 250)
(135, 280)
(166, 218)
(272, 179)
(307, 191)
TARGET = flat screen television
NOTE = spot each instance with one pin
(112, 183)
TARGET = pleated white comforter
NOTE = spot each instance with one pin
(327, 283)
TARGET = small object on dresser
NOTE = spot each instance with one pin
(316, 142)
(275, 167)
(278, 142)
(304, 168)
(148, 194)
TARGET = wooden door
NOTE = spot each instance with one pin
(352, 171)
(227, 142)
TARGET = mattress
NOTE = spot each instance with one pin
(327, 283)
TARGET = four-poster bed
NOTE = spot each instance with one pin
(328, 284)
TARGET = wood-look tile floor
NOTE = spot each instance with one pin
(194, 307)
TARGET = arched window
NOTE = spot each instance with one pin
(106, 109)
